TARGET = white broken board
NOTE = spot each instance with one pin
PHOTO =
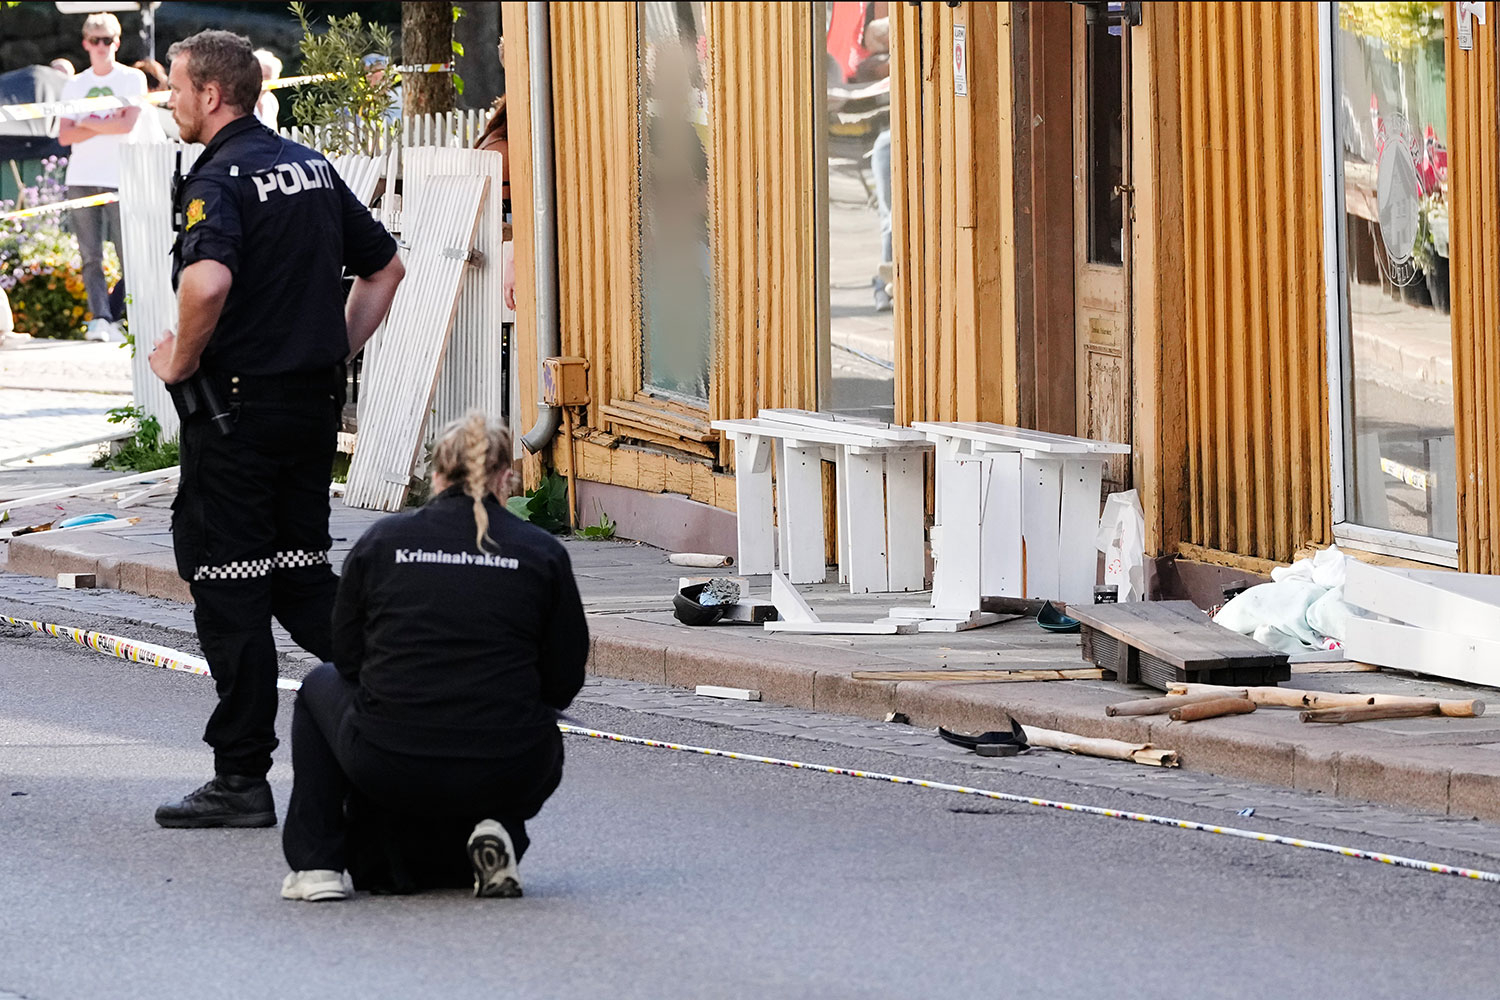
(1458, 603)
(400, 380)
(1426, 651)
(885, 627)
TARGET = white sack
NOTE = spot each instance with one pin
(1329, 614)
(1281, 606)
(1122, 539)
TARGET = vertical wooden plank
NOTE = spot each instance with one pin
(948, 375)
(1236, 353)
(1316, 526)
(1487, 192)
(1195, 225)
(1279, 349)
(931, 209)
(1262, 358)
(900, 20)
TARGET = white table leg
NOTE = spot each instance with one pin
(752, 498)
(799, 493)
(1000, 526)
(1041, 513)
(1078, 549)
(841, 486)
(905, 532)
(955, 577)
(866, 551)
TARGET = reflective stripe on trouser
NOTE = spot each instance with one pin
(250, 531)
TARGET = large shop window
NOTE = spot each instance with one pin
(1395, 353)
(676, 256)
(853, 106)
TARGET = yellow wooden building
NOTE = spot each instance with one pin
(1254, 240)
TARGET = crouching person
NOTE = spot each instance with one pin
(458, 635)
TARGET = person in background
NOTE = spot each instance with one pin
(156, 73)
(268, 107)
(94, 161)
(63, 66)
(458, 636)
(376, 65)
(156, 124)
(496, 137)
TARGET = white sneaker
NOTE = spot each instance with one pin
(316, 886)
(99, 329)
(494, 860)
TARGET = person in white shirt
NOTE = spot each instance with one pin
(94, 160)
(268, 107)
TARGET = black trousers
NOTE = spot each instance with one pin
(397, 822)
(250, 532)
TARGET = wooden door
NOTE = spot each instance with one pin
(1101, 229)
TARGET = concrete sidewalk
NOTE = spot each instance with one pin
(1443, 765)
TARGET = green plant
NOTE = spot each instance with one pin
(144, 451)
(458, 50)
(345, 106)
(601, 532)
(546, 506)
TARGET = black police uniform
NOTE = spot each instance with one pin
(250, 522)
(450, 665)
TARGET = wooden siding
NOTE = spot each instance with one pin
(1256, 355)
(1474, 187)
(952, 226)
(594, 123)
(762, 195)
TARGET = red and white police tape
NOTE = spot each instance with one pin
(143, 652)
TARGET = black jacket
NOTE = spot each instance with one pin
(280, 218)
(458, 652)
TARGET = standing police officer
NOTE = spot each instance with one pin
(256, 368)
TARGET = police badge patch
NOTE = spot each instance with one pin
(195, 212)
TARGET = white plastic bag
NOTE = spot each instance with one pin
(1281, 606)
(1122, 539)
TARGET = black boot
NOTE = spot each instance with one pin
(227, 800)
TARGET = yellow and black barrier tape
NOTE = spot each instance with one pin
(139, 652)
(87, 201)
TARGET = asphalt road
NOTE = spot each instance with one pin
(659, 874)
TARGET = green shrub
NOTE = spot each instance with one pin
(143, 452)
(546, 506)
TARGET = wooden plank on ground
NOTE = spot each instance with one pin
(1132, 625)
(987, 675)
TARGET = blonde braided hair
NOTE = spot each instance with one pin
(474, 452)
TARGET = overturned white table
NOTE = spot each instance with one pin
(880, 506)
(1017, 514)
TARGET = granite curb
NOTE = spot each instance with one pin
(1345, 762)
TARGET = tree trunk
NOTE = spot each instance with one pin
(426, 37)
(477, 31)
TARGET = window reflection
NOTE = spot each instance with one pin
(676, 290)
(1393, 129)
(861, 331)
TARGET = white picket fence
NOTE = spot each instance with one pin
(428, 147)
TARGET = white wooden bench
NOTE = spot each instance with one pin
(1017, 514)
(879, 483)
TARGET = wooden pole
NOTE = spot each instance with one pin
(1212, 709)
(1293, 698)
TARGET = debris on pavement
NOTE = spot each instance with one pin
(730, 693)
(700, 560)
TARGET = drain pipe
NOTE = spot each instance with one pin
(544, 216)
